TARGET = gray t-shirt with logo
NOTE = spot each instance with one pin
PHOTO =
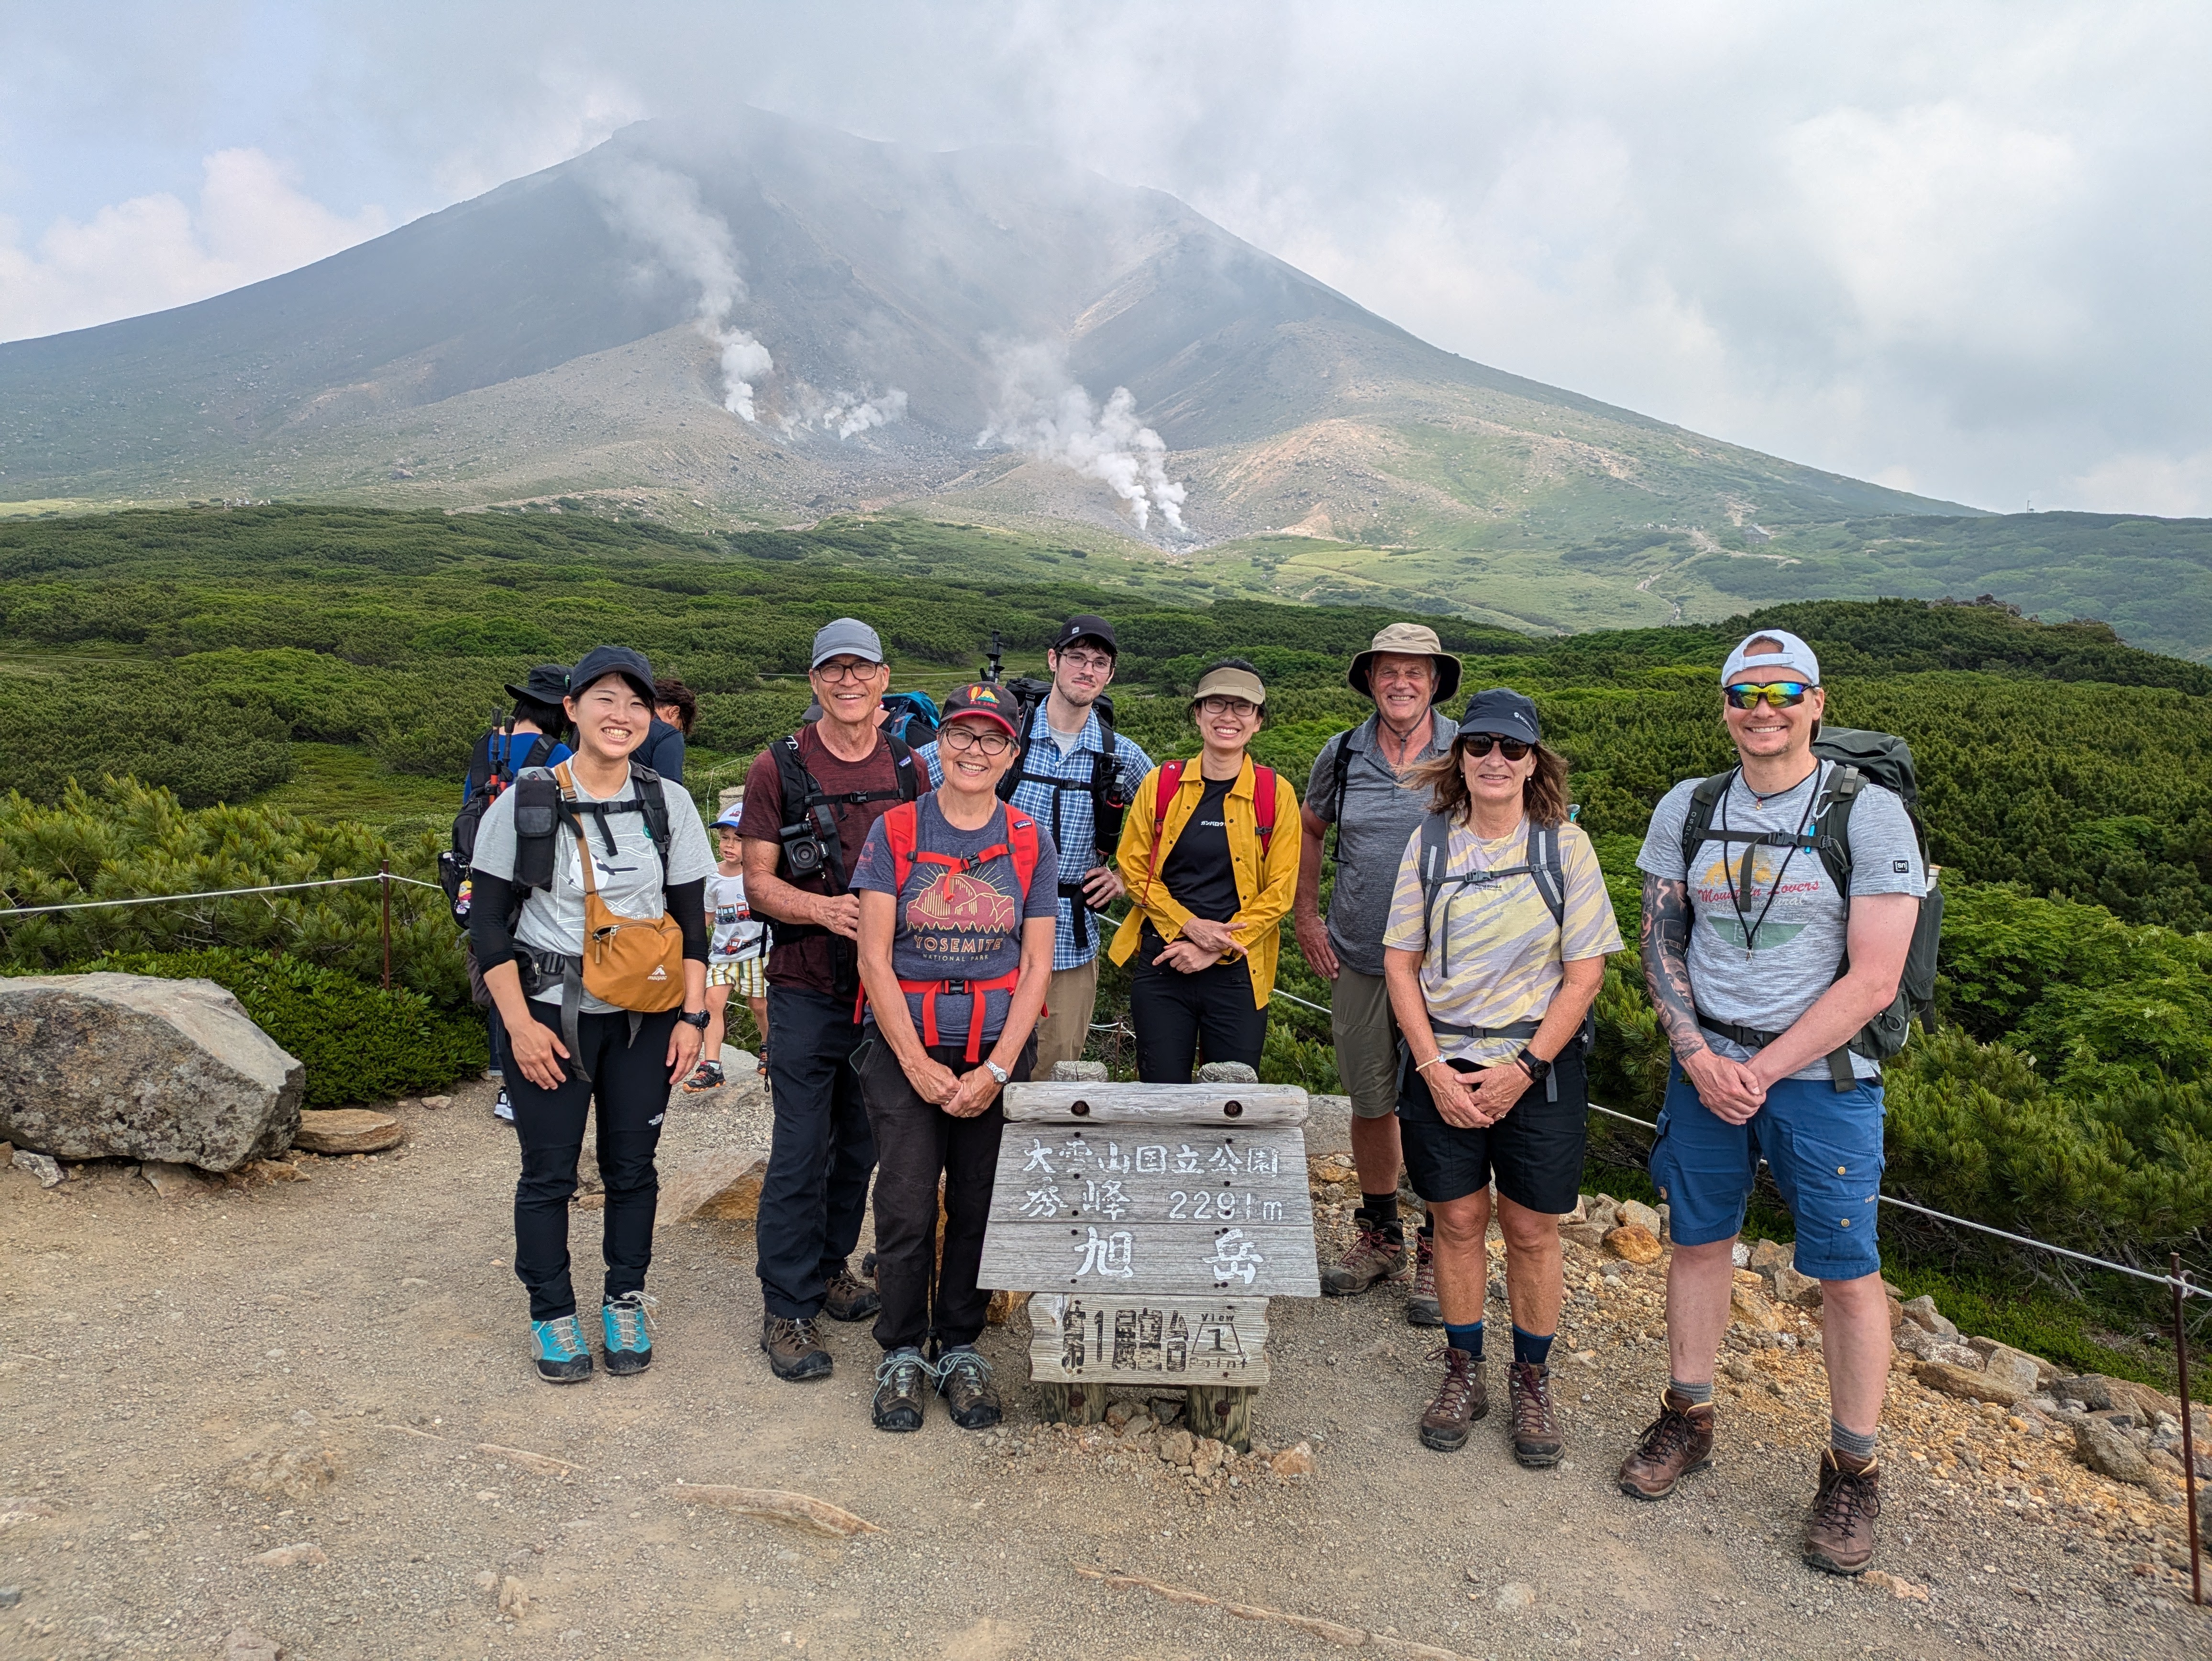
(1799, 917)
(1376, 818)
(630, 880)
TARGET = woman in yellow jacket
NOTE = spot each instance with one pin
(1210, 856)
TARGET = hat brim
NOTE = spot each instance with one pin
(644, 688)
(1448, 672)
(978, 715)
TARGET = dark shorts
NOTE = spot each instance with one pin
(1535, 1152)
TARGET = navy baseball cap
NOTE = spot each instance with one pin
(1084, 625)
(1503, 711)
(603, 660)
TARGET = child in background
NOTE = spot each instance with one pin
(733, 957)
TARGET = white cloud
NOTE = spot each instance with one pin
(2169, 485)
(154, 251)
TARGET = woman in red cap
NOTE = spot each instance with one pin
(958, 897)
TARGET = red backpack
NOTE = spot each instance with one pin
(901, 828)
(1163, 796)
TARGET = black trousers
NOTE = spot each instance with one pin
(820, 1152)
(1174, 1015)
(631, 1097)
(926, 1293)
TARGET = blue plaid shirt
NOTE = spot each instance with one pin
(1065, 814)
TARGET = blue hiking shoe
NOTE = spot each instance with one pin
(559, 1350)
(627, 1323)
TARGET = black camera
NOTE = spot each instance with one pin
(806, 845)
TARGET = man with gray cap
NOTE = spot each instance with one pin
(1780, 901)
(809, 800)
(1357, 785)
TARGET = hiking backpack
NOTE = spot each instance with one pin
(453, 862)
(1860, 758)
(913, 718)
(1104, 787)
(1163, 796)
(810, 824)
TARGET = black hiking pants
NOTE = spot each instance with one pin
(820, 1152)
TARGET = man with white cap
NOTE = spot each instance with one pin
(1765, 972)
(810, 799)
(1358, 786)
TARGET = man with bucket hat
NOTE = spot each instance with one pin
(1357, 785)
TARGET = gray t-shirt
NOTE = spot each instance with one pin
(1378, 817)
(630, 882)
(1801, 927)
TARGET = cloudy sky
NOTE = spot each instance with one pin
(1960, 248)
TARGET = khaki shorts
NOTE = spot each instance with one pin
(1066, 1027)
(745, 975)
(1366, 1035)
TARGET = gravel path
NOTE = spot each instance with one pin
(189, 1383)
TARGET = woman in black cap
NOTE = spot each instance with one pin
(1496, 941)
(595, 840)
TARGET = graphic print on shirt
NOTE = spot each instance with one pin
(1715, 891)
(964, 914)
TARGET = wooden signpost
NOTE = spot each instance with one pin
(1153, 1222)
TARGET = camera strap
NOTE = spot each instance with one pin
(809, 832)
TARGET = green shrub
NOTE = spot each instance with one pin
(357, 1042)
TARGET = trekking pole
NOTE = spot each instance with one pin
(2188, 1435)
(386, 886)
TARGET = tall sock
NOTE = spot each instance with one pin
(1849, 1442)
(1696, 1394)
(1529, 1349)
(1468, 1337)
(1382, 1209)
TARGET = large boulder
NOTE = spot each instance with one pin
(127, 1067)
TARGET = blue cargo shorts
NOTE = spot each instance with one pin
(1824, 1147)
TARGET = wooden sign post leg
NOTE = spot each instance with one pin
(1223, 1412)
(1074, 1404)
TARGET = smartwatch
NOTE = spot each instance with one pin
(1538, 1071)
(997, 1071)
(697, 1017)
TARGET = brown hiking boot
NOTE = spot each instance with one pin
(793, 1351)
(1536, 1441)
(1839, 1537)
(1422, 1309)
(1377, 1254)
(848, 1297)
(1461, 1399)
(1677, 1443)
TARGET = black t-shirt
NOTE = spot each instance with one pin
(1197, 871)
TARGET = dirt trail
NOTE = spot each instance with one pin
(163, 1354)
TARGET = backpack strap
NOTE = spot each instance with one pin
(1263, 805)
(1698, 822)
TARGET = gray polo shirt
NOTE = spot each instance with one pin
(1376, 818)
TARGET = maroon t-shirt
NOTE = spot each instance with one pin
(810, 964)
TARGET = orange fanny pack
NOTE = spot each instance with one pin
(633, 963)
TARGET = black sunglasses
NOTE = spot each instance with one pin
(1478, 743)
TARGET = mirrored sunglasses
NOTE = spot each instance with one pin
(1782, 694)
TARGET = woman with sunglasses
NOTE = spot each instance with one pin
(1210, 856)
(1498, 932)
(957, 903)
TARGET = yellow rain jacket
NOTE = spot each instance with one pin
(1265, 886)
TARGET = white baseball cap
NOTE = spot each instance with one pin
(1778, 651)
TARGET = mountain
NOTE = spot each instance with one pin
(940, 333)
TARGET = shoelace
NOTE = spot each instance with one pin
(1459, 1381)
(961, 1362)
(1371, 1243)
(1667, 1434)
(895, 1368)
(633, 1319)
(1849, 1498)
(565, 1338)
(1532, 1403)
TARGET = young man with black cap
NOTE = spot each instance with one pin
(1357, 785)
(1764, 975)
(810, 801)
(1073, 774)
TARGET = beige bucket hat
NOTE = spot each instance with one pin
(1411, 640)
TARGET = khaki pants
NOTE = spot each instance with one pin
(1366, 1035)
(1066, 1027)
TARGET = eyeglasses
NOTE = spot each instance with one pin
(1237, 707)
(1782, 695)
(1478, 743)
(835, 672)
(960, 736)
(1086, 663)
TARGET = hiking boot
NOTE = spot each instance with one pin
(707, 1075)
(848, 1297)
(1379, 1254)
(1536, 1441)
(794, 1352)
(1422, 1309)
(624, 1324)
(1679, 1442)
(963, 1379)
(1461, 1399)
(558, 1348)
(902, 1389)
(1839, 1537)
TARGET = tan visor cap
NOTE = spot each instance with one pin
(1231, 684)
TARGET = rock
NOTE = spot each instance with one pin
(1603, 1212)
(1896, 1314)
(2110, 1451)
(1752, 1308)
(514, 1598)
(2101, 1394)
(297, 1473)
(722, 1187)
(1514, 1595)
(437, 1103)
(1665, 1229)
(1079, 1073)
(1768, 1256)
(1178, 1446)
(1632, 1243)
(171, 1182)
(1921, 1312)
(285, 1557)
(274, 1170)
(126, 1066)
(1791, 1288)
(1207, 1457)
(9, 1596)
(1227, 1073)
(1003, 1306)
(1895, 1586)
(1914, 1341)
(1740, 1255)
(39, 1165)
(1579, 1214)
(346, 1131)
(244, 1644)
(487, 1580)
(1636, 1211)
(1739, 1369)
(2007, 1388)
(1293, 1461)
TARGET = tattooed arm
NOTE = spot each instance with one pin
(1726, 1087)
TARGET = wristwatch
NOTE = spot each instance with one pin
(697, 1017)
(1537, 1070)
(997, 1071)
